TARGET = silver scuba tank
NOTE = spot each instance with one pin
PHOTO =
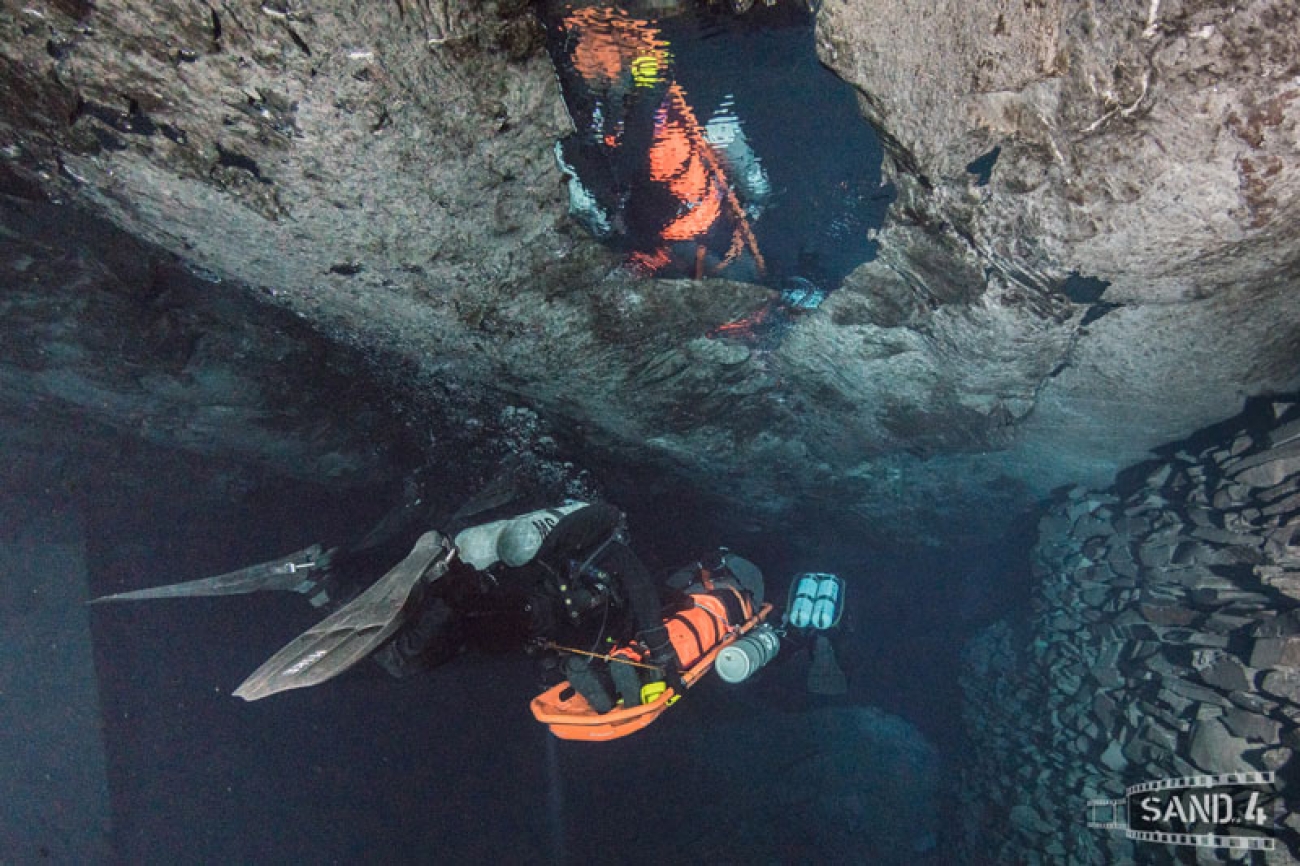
(737, 662)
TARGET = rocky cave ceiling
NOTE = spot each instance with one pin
(384, 172)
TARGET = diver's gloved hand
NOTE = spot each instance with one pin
(664, 656)
(549, 671)
(671, 675)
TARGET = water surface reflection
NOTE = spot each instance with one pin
(713, 144)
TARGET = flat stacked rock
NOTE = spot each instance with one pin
(1165, 642)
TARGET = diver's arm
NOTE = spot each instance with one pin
(578, 533)
(591, 531)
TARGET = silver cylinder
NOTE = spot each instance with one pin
(737, 662)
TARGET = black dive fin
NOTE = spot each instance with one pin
(354, 631)
(292, 573)
(825, 676)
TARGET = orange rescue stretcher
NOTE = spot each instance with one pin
(570, 717)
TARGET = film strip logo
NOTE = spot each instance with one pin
(1202, 782)
(1108, 814)
(1230, 810)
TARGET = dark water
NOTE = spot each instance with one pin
(451, 767)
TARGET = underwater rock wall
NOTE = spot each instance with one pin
(1135, 141)
(385, 171)
(1092, 198)
(109, 347)
(1165, 643)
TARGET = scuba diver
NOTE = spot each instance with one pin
(561, 581)
(559, 576)
(537, 576)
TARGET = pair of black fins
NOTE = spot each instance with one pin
(340, 640)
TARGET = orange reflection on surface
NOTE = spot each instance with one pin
(649, 263)
(682, 158)
(676, 161)
(609, 50)
(611, 43)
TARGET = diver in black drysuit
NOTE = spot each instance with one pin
(582, 588)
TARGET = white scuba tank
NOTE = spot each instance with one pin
(481, 547)
(816, 601)
(801, 605)
(583, 205)
(723, 132)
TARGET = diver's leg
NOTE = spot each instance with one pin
(825, 676)
(642, 598)
(428, 639)
(590, 680)
(627, 682)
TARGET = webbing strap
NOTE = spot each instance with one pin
(690, 626)
(733, 602)
(720, 625)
